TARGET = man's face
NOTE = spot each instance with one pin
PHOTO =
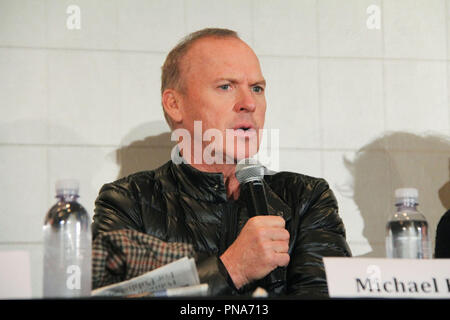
(224, 88)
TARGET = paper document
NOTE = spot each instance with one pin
(177, 274)
(200, 290)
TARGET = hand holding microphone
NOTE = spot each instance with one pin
(261, 246)
(263, 242)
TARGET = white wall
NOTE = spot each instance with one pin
(367, 109)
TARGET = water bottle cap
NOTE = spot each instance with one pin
(406, 193)
(67, 187)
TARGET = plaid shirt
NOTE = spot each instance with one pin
(124, 254)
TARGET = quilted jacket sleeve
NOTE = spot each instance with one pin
(321, 233)
(116, 208)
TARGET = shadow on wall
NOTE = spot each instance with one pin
(140, 154)
(400, 160)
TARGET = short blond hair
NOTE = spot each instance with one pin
(171, 75)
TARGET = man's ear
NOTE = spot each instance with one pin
(172, 104)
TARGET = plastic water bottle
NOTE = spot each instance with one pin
(407, 234)
(67, 245)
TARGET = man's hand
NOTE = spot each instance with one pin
(261, 246)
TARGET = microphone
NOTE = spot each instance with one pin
(250, 174)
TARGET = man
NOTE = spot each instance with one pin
(214, 77)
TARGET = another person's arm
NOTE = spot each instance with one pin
(442, 249)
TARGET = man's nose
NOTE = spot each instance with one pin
(245, 101)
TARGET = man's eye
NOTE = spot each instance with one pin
(258, 89)
(225, 87)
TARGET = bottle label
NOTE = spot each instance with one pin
(409, 247)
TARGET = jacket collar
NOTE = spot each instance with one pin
(206, 186)
(210, 187)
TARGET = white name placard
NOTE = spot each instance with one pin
(388, 278)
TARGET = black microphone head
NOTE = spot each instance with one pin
(249, 170)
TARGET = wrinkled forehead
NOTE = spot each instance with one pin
(211, 58)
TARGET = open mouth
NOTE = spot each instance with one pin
(244, 130)
(244, 126)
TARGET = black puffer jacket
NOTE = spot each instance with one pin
(178, 203)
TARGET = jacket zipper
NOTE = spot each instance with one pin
(231, 225)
